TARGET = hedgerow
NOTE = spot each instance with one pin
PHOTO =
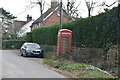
(95, 31)
(12, 44)
(29, 37)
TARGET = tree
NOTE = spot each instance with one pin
(7, 24)
(72, 10)
(41, 4)
(90, 6)
(104, 6)
(6, 14)
(100, 6)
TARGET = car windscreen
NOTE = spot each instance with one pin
(35, 46)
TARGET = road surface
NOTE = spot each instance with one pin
(0, 65)
(15, 66)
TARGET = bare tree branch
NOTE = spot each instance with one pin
(110, 4)
(41, 3)
(103, 5)
(72, 9)
(90, 6)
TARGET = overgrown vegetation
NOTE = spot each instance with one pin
(85, 56)
(50, 55)
(79, 70)
(97, 31)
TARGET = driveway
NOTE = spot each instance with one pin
(15, 66)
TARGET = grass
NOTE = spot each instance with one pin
(1, 48)
(53, 63)
(80, 70)
(93, 74)
(49, 55)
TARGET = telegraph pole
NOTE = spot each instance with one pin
(60, 14)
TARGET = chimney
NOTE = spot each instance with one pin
(54, 3)
(29, 18)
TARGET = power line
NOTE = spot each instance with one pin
(26, 10)
(47, 3)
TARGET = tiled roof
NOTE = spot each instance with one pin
(18, 24)
(50, 10)
(45, 14)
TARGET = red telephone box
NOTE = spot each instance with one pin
(64, 43)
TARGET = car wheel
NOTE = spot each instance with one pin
(41, 55)
(21, 54)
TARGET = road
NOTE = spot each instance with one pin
(15, 66)
(0, 64)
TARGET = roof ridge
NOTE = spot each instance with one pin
(45, 14)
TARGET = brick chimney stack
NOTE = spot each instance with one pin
(29, 18)
(54, 3)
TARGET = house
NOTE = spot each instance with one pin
(25, 28)
(51, 16)
(18, 24)
(22, 27)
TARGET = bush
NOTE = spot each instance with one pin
(12, 44)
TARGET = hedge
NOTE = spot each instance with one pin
(29, 37)
(12, 44)
(95, 31)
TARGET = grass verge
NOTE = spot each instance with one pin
(79, 70)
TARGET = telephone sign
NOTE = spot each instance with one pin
(64, 43)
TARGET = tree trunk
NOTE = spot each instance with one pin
(89, 14)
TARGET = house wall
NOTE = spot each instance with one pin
(54, 18)
(19, 24)
(36, 25)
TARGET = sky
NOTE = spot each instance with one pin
(20, 8)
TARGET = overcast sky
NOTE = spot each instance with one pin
(18, 7)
